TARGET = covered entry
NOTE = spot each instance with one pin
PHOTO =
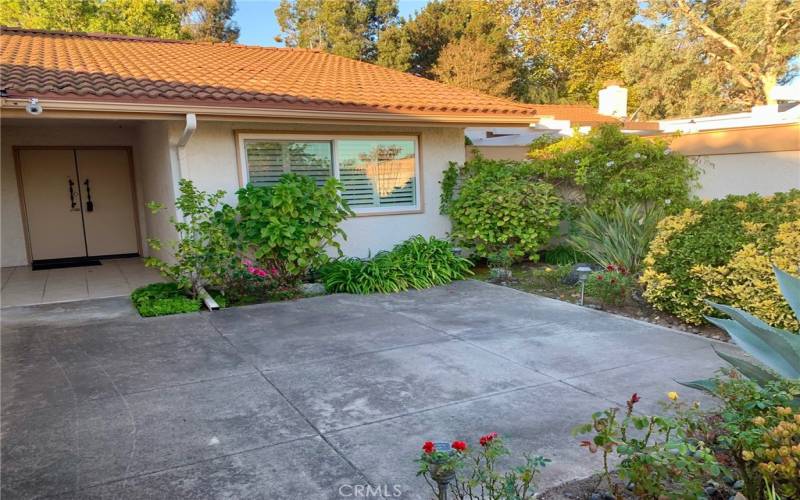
(78, 203)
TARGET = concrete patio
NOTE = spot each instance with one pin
(304, 399)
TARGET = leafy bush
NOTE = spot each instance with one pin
(550, 276)
(501, 205)
(611, 286)
(562, 254)
(722, 251)
(288, 226)
(610, 167)
(159, 299)
(415, 263)
(206, 256)
(661, 457)
(618, 238)
(475, 472)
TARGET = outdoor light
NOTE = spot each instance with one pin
(583, 275)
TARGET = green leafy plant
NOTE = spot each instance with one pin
(159, 299)
(206, 256)
(289, 226)
(610, 167)
(502, 204)
(723, 251)
(612, 285)
(618, 237)
(563, 254)
(550, 276)
(660, 457)
(777, 349)
(474, 472)
(415, 263)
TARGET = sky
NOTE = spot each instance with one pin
(256, 19)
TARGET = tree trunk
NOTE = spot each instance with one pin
(768, 82)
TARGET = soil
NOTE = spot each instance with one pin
(524, 279)
(596, 488)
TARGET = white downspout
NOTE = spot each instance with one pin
(183, 173)
(188, 132)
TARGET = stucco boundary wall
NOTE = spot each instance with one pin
(763, 159)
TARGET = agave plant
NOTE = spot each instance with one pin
(777, 350)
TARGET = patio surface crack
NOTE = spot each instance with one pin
(335, 449)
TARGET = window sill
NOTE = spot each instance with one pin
(377, 213)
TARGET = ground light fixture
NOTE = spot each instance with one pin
(583, 275)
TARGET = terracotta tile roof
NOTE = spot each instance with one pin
(76, 66)
(578, 114)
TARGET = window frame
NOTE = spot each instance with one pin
(244, 174)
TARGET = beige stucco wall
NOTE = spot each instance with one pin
(45, 133)
(156, 170)
(763, 173)
(212, 164)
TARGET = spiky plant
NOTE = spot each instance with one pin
(777, 350)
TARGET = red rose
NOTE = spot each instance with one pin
(459, 445)
(487, 438)
(428, 447)
(610, 267)
(635, 398)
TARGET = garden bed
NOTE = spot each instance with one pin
(535, 278)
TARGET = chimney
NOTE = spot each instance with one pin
(613, 101)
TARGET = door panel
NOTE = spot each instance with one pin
(54, 223)
(108, 207)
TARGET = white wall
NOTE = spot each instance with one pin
(211, 163)
(43, 133)
(156, 175)
(744, 173)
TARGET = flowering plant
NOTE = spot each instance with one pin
(675, 466)
(440, 461)
(611, 285)
(482, 479)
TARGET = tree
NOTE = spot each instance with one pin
(698, 56)
(194, 19)
(564, 44)
(418, 42)
(209, 20)
(472, 63)
(348, 28)
(151, 18)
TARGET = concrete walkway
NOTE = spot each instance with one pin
(304, 399)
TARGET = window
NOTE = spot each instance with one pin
(268, 160)
(377, 174)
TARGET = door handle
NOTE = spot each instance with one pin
(89, 202)
(73, 205)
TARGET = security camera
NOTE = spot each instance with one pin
(33, 107)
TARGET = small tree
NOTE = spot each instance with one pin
(205, 253)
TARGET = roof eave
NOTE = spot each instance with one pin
(62, 108)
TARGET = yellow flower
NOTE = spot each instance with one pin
(747, 455)
(672, 395)
(548, 269)
(759, 421)
(784, 410)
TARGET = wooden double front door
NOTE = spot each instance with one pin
(78, 202)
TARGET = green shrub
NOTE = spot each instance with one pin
(206, 256)
(723, 251)
(611, 167)
(159, 299)
(612, 285)
(562, 255)
(618, 238)
(288, 226)
(502, 205)
(551, 276)
(415, 263)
